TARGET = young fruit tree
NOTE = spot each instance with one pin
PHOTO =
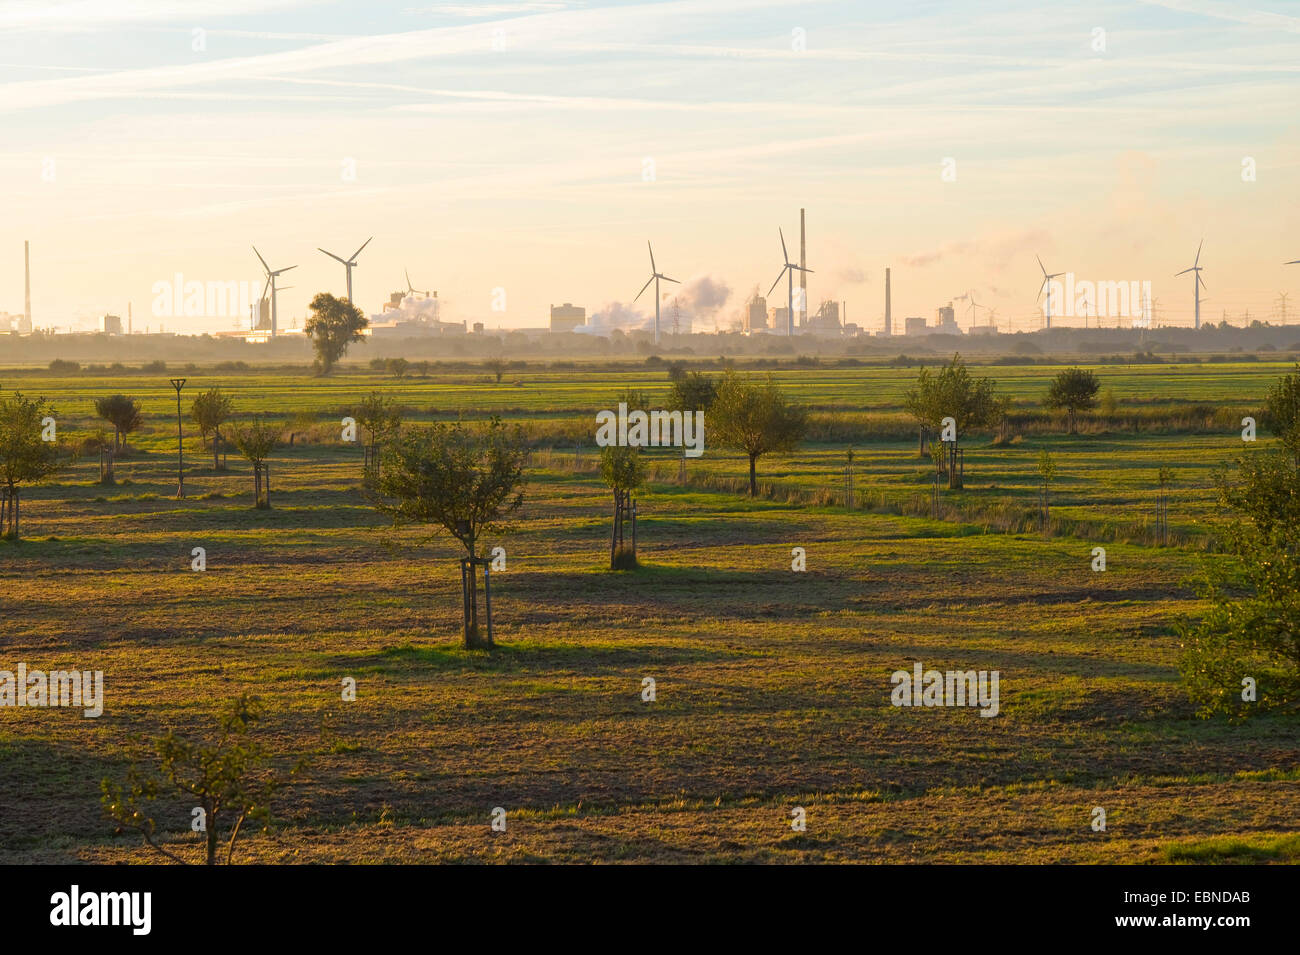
(1075, 390)
(335, 324)
(123, 413)
(255, 442)
(623, 470)
(953, 393)
(1243, 657)
(1282, 412)
(211, 409)
(380, 418)
(755, 418)
(25, 455)
(466, 481)
(690, 392)
(227, 778)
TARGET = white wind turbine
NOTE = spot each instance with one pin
(1047, 283)
(1196, 268)
(655, 276)
(349, 263)
(788, 271)
(271, 276)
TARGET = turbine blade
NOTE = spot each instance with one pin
(286, 269)
(260, 259)
(1293, 262)
(784, 254)
(1198, 253)
(643, 288)
(667, 279)
(780, 275)
(1040, 265)
(652, 256)
(363, 245)
(1183, 272)
(332, 255)
(409, 287)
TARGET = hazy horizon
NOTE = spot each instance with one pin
(516, 160)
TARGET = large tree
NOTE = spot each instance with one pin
(466, 481)
(756, 418)
(335, 324)
(123, 413)
(1075, 390)
(25, 455)
(211, 409)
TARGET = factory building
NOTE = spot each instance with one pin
(567, 317)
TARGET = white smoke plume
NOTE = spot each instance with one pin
(614, 315)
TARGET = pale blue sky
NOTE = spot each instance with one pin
(515, 159)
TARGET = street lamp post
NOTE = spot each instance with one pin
(178, 384)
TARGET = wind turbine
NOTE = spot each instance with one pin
(970, 297)
(1047, 281)
(1196, 267)
(788, 271)
(655, 276)
(349, 263)
(270, 278)
(411, 289)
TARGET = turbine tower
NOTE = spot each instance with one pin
(787, 271)
(1047, 283)
(271, 276)
(1196, 268)
(655, 276)
(349, 264)
(970, 297)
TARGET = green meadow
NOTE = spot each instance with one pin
(772, 687)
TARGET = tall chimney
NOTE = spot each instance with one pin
(803, 276)
(888, 324)
(27, 288)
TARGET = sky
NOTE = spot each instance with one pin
(514, 155)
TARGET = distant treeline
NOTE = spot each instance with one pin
(403, 368)
(1104, 345)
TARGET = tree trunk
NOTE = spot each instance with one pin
(211, 823)
(472, 639)
(613, 532)
(753, 476)
(1072, 430)
(117, 439)
(216, 448)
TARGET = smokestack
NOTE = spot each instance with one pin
(888, 324)
(27, 288)
(803, 276)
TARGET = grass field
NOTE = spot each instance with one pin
(773, 687)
